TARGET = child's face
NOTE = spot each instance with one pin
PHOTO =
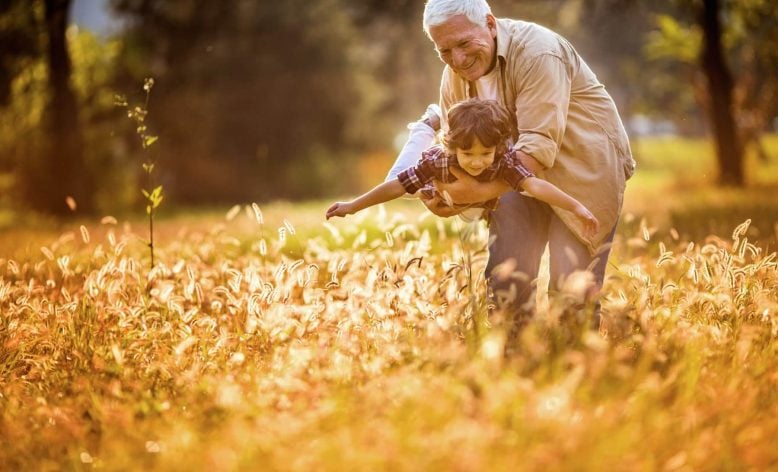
(476, 159)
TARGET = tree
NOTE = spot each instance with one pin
(709, 39)
(46, 148)
(65, 172)
(720, 87)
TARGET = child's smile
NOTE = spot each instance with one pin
(477, 158)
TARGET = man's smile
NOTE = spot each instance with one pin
(469, 65)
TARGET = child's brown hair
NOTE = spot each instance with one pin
(486, 120)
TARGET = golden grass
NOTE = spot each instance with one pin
(365, 345)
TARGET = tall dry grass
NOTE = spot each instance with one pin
(367, 346)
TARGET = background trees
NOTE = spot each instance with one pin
(728, 52)
(254, 100)
(56, 112)
(51, 161)
(63, 172)
(265, 100)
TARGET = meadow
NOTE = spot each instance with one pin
(265, 338)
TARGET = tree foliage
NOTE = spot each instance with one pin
(29, 145)
(253, 100)
(749, 43)
(50, 167)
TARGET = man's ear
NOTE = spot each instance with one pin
(491, 23)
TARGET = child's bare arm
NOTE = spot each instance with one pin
(551, 194)
(379, 194)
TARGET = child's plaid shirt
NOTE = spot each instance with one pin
(435, 164)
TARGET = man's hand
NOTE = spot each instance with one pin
(438, 207)
(466, 189)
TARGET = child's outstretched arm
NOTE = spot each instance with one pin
(379, 194)
(550, 193)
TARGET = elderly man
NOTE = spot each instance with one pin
(569, 133)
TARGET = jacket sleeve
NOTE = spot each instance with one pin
(542, 103)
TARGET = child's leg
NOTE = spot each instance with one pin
(421, 136)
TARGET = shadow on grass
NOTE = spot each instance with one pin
(695, 223)
(699, 211)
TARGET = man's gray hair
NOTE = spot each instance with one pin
(437, 12)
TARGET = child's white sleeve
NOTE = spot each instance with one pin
(420, 137)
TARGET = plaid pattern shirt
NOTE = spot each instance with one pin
(436, 163)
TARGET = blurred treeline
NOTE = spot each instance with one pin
(259, 100)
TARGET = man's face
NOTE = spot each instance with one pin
(467, 48)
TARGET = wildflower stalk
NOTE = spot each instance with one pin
(153, 194)
(467, 232)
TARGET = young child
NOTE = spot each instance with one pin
(477, 141)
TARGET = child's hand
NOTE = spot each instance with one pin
(591, 225)
(339, 209)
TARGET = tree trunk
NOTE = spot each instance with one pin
(720, 86)
(63, 166)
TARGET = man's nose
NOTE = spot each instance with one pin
(458, 57)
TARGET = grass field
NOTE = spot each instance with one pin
(266, 339)
(674, 188)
